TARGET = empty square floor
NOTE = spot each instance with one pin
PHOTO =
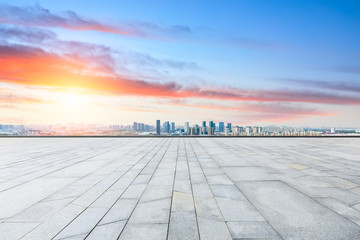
(179, 188)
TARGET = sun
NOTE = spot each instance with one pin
(73, 100)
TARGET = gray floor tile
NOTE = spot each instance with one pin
(180, 188)
(252, 230)
(183, 226)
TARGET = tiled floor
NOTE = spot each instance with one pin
(179, 188)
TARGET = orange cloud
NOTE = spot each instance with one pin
(34, 66)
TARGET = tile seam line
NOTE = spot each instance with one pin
(61, 208)
(87, 234)
(222, 216)
(300, 191)
(127, 221)
(66, 185)
(191, 184)
(172, 190)
(243, 195)
(52, 193)
(314, 199)
(86, 158)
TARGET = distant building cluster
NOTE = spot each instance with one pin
(206, 129)
(168, 128)
(9, 129)
(211, 129)
(141, 127)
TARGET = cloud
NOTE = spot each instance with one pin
(141, 59)
(11, 120)
(272, 96)
(98, 54)
(265, 107)
(34, 66)
(14, 98)
(345, 69)
(28, 34)
(41, 17)
(331, 85)
(8, 106)
(37, 16)
(246, 113)
(280, 118)
(144, 110)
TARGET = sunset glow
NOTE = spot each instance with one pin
(67, 63)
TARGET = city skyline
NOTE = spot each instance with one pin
(167, 128)
(259, 63)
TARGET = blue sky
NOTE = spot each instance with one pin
(265, 46)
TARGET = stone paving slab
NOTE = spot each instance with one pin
(179, 188)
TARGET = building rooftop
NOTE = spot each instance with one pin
(179, 188)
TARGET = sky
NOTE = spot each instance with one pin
(258, 62)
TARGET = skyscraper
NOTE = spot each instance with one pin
(203, 124)
(208, 129)
(221, 127)
(211, 131)
(135, 126)
(166, 127)
(237, 131)
(193, 131)
(172, 127)
(229, 127)
(248, 131)
(227, 131)
(255, 130)
(202, 130)
(186, 127)
(157, 127)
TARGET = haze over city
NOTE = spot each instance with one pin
(256, 63)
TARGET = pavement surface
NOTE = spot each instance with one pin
(179, 188)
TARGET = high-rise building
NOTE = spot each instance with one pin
(210, 131)
(221, 127)
(229, 127)
(248, 130)
(186, 127)
(203, 124)
(193, 131)
(255, 130)
(227, 131)
(166, 127)
(203, 131)
(141, 127)
(237, 131)
(332, 130)
(157, 127)
(172, 127)
(135, 126)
